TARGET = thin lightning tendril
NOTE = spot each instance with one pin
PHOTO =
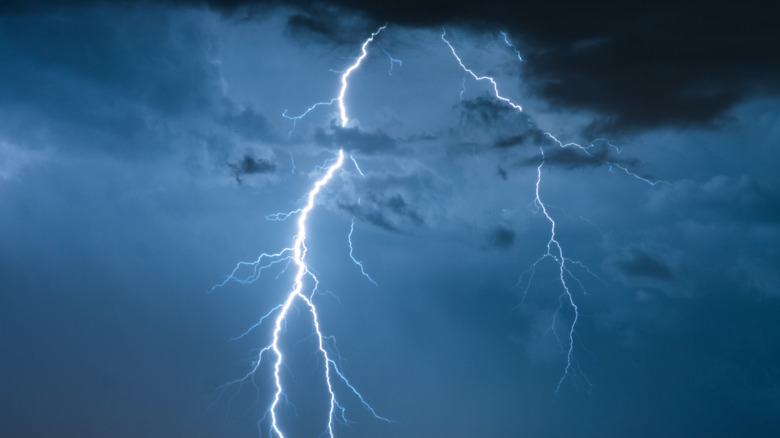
(479, 78)
(354, 161)
(509, 43)
(554, 248)
(356, 261)
(392, 60)
(610, 164)
(555, 251)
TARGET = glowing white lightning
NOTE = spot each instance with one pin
(479, 78)
(299, 252)
(356, 261)
(344, 84)
(345, 76)
(296, 254)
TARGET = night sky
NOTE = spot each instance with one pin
(142, 146)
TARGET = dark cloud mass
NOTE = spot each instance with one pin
(642, 264)
(485, 111)
(250, 165)
(573, 156)
(251, 125)
(501, 237)
(658, 63)
(355, 140)
(389, 212)
(102, 90)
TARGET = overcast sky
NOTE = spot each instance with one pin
(143, 145)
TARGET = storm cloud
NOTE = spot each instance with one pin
(652, 65)
(144, 153)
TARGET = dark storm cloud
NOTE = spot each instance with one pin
(501, 237)
(507, 142)
(355, 139)
(743, 200)
(639, 263)
(507, 127)
(487, 111)
(400, 202)
(250, 165)
(323, 24)
(531, 137)
(484, 111)
(95, 86)
(250, 125)
(370, 215)
(658, 63)
(386, 212)
(598, 153)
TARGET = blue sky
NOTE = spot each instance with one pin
(142, 146)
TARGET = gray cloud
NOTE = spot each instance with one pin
(501, 237)
(323, 24)
(741, 199)
(387, 211)
(356, 139)
(95, 86)
(607, 58)
(250, 125)
(488, 111)
(639, 263)
(250, 165)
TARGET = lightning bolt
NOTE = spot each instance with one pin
(555, 252)
(554, 248)
(610, 164)
(344, 84)
(477, 77)
(509, 43)
(392, 60)
(296, 255)
(357, 262)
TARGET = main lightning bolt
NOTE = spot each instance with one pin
(344, 84)
(296, 255)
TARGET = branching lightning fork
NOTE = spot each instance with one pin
(479, 78)
(296, 255)
(554, 249)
